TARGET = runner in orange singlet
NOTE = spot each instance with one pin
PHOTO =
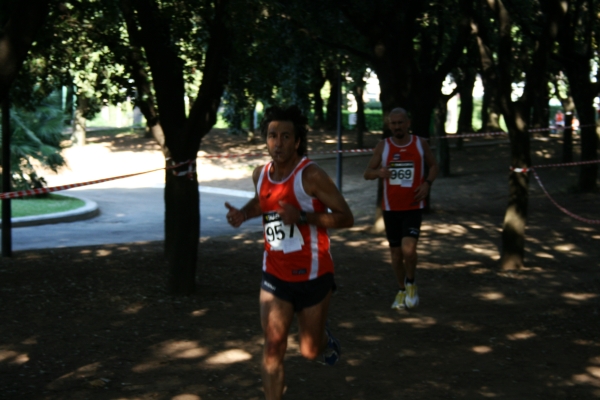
(293, 196)
(400, 161)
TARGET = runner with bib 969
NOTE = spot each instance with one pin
(298, 202)
(400, 161)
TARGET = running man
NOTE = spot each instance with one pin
(400, 161)
(293, 196)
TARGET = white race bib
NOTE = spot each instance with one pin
(286, 238)
(403, 173)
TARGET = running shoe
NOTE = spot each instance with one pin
(412, 295)
(399, 301)
(333, 351)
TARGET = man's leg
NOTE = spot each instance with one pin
(409, 255)
(311, 324)
(398, 265)
(276, 317)
(409, 252)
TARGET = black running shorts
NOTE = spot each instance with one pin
(300, 294)
(399, 224)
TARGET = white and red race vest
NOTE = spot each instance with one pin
(293, 253)
(407, 166)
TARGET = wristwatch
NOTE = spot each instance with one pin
(303, 220)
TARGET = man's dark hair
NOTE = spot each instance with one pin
(292, 114)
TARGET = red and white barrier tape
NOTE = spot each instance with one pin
(233, 155)
(564, 210)
(553, 127)
(32, 192)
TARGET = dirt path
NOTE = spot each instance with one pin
(94, 322)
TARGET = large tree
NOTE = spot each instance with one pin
(525, 33)
(578, 39)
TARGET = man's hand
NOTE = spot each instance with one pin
(288, 213)
(235, 217)
(384, 173)
(422, 191)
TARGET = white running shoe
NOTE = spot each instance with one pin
(412, 295)
(399, 301)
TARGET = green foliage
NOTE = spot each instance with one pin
(36, 139)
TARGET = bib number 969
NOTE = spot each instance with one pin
(402, 173)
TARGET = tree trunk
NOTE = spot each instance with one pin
(183, 135)
(144, 96)
(182, 216)
(517, 116)
(576, 54)
(68, 110)
(79, 121)
(567, 148)
(442, 150)
(331, 74)
(361, 123)
(318, 82)
(465, 91)
(541, 111)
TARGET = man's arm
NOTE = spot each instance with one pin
(374, 169)
(318, 184)
(251, 209)
(423, 190)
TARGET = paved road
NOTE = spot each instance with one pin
(131, 215)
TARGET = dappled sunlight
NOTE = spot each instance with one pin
(181, 349)
(133, 308)
(569, 248)
(468, 263)
(186, 396)
(103, 253)
(579, 297)
(587, 343)
(420, 323)
(347, 325)
(465, 326)
(490, 296)
(84, 372)
(524, 335)
(229, 357)
(13, 357)
(354, 362)
(591, 376)
(354, 243)
(481, 349)
(487, 251)
(369, 338)
(480, 271)
(544, 255)
(199, 313)
(385, 320)
(475, 226)
(454, 229)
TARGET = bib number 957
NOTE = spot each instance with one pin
(278, 235)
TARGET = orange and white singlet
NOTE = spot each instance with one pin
(293, 253)
(407, 165)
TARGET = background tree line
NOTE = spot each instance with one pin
(236, 53)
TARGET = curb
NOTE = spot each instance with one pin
(89, 210)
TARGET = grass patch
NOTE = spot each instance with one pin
(28, 206)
